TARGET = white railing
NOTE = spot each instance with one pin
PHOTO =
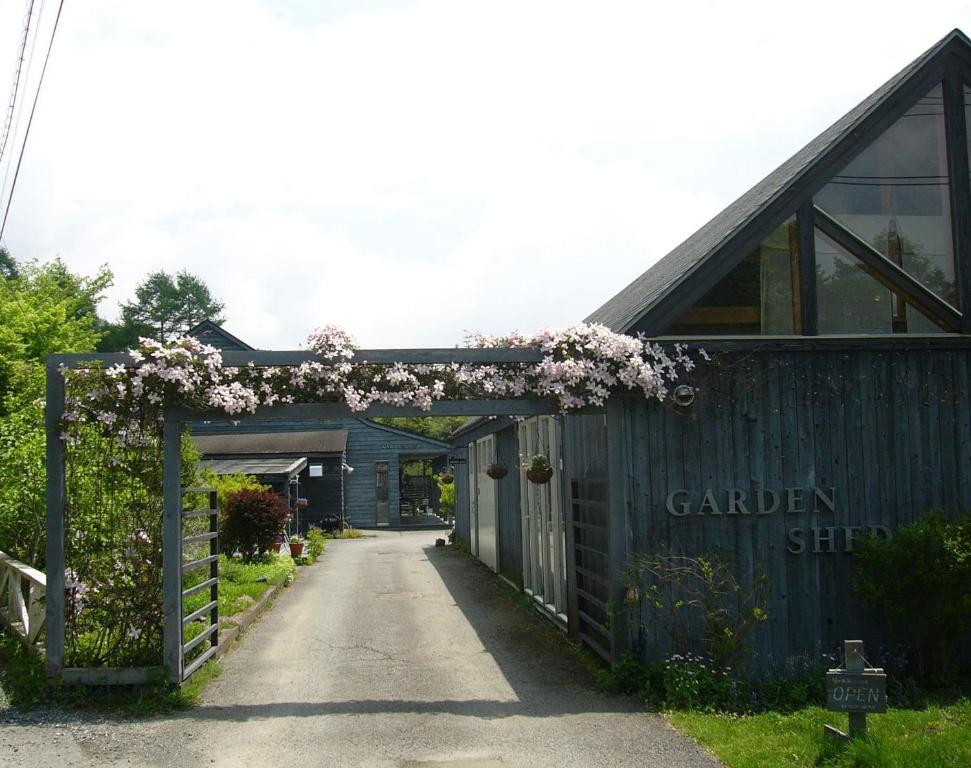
(22, 604)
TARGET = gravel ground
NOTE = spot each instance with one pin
(388, 653)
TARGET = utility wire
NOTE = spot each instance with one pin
(16, 79)
(26, 77)
(30, 120)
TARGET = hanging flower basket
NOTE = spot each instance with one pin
(446, 478)
(497, 471)
(538, 469)
(539, 476)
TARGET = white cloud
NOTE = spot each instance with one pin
(415, 171)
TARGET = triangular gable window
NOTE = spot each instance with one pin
(895, 195)
(851, 301)
(759, 296)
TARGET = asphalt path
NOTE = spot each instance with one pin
(388, 652)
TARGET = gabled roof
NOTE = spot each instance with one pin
(215, 335)
(416, 436)
(726, 231)
(309, 443)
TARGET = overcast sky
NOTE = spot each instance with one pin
(413, 171)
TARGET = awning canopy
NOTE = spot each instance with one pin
(268, 467)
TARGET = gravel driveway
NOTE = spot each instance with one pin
(388, 652)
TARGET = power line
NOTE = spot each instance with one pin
(26, 77)
(30, 120)
(16, 79)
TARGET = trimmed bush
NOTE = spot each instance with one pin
(917, 587)
(253, 521)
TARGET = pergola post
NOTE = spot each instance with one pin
(56, 486)
(172, 546)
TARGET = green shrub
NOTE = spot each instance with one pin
(691, 682)
(917, 587)
(703, 603)
(316, 543)
(253, 521)
(446, 504)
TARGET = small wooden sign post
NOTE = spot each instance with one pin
(856, 690)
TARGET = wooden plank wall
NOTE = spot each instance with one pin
(890, 431)
(510, 529)
(588, 532)
(461, 470)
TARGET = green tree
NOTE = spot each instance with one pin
(164, 305)
(436, 427)
(44, 308)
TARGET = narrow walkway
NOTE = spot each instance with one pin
(392, 653)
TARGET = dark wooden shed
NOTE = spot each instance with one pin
(835, 300)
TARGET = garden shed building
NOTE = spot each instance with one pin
(834, 299)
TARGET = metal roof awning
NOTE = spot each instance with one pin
(269, 467)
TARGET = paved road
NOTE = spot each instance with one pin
(391, 653)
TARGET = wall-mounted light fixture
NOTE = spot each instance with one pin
(684, 395)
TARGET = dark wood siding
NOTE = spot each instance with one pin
(889, 430)
(507, 495)
(588, 530)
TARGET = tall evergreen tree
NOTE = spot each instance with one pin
(165, 305)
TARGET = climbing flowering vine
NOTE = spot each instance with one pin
(580, 366)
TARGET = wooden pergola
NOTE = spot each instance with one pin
(175, 417)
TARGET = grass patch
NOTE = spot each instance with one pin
(348, 533)
(901, 738)
(23, 685)
(23, 679)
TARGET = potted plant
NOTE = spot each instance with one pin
(277, 543)
(538, 468)
(497, 471)
(447, 477)
(296, 547)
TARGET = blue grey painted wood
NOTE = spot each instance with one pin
(890, 431)
(172, 548)
(296, 357)
(509, 521)
(585, 475)
(54, 620)
(462, 520)
(367, 444)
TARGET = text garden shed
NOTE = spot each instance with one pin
(834, 298)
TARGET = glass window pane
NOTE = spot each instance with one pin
(895, 195)
(850, 301)
(759, 296)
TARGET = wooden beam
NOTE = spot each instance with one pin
(889, 274)
(808, 302)
(54, 412)
(110, 675)
(473, 356)
(342, 411)
(958, 168)
(172, 547)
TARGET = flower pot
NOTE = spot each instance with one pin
(539, 476)
(296, 548)
(275, 547)
(497, 471)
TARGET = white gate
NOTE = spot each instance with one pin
(544, 528)
(486, 502)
